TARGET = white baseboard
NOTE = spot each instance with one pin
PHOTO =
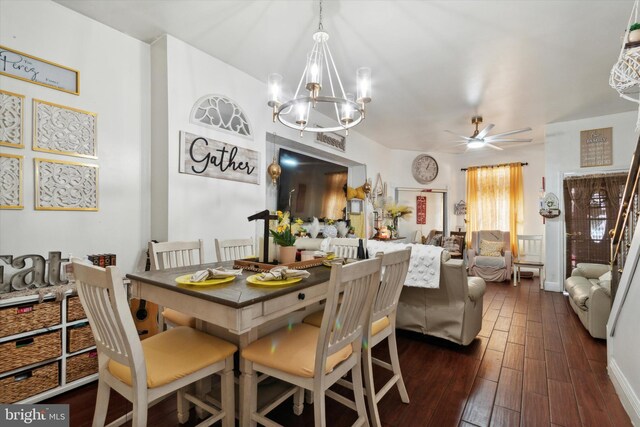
(628, 398)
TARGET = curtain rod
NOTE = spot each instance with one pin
(494, 166)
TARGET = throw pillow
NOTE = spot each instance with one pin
(436, 240)
(489, 248)
(451, 244)
(605, 282)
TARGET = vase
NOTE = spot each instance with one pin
(394, 233)
(634, 36)
(287, 254)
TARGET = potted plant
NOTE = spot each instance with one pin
(283, 237)
(634, 33)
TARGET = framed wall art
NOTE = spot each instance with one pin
(66, 186)
(11, 119)
(28, 68)
(64, 130)
(10, 181)
(596, 147)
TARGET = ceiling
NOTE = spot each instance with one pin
(434, 63)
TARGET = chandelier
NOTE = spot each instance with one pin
(322, 92)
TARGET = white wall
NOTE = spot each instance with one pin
(562, 155)
(114, 82)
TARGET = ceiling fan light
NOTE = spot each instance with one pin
(475, 144)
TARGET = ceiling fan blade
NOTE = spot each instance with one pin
(511, 132)
(495, 147)
(485, 131)
(461, 143)
(459, 136)
(492, 140)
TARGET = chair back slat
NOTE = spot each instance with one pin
(229, 250)
(176, 254)
(530, 247)
(346, 247)
(395, 266)
(104, 299)
(343, 324)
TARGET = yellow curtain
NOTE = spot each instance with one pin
(334, 199)
(472, 203)
(516, 198)
(495, 200)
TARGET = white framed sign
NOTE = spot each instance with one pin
(29, 68)
(214, 159)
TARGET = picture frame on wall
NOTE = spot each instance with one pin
(355, 206)
(64, 130)
(11, 119)
(11, 179)
(65, 186)
(32, 69)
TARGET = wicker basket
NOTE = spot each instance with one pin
(81, 365)
(28, 317)
(79, 337)
(29, 383)
(74, 309)
(33, 349)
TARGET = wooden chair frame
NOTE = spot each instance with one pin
(103, 296)
(346, 247)
(229, 250)
(358, 282)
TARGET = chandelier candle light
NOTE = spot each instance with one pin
(347, 109)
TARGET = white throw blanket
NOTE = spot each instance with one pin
(424, 266)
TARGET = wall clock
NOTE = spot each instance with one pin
(424, 169)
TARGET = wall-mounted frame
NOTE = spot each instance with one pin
(32, 69)
(10, 181)
(11, 119)
(356, 206)
(65, 186)
(64, 130)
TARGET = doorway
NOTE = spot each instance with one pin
(591, 204)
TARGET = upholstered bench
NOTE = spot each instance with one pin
(589, 288)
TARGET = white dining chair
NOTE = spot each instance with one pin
(144, 372)
(382, 325)
(314, 358)
(229, 250)
(346, 247)
(170, 255)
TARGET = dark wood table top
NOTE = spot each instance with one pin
(236, 294)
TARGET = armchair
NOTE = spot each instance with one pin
(490, 268)
(589, 288)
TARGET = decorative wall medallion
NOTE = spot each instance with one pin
(10, 181)
(11, 118)
(220, 113)
(64, 130)
(424, 169)
(214, 159)
(66, 185)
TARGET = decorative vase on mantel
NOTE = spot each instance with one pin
(394, 233)
(287, 254)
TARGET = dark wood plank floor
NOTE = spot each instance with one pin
(533, 364)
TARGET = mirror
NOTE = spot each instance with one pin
(434, 205)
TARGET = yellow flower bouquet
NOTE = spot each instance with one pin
(282, 235)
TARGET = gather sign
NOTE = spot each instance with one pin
(214, 159)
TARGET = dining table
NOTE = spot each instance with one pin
(238, 307)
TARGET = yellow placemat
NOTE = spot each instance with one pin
(186, 280)
(254, 281)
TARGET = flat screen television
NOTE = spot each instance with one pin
(311, 187)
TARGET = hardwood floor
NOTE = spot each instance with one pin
(533, 364)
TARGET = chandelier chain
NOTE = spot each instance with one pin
(320, 27)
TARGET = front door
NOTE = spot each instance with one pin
(591, 205)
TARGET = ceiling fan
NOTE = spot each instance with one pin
(480, 138)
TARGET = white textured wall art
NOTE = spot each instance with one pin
(64, 130)
(11, 118)
(10, 181)
(66, 185)
(220, 112)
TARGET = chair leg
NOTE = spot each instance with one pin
(370, 387)
(102, 404)
(140, 407)
(183, 406)
(228, 394)
(319, 410)
(298, 401)
(308, 397)
(358, 392)
(395, 364)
